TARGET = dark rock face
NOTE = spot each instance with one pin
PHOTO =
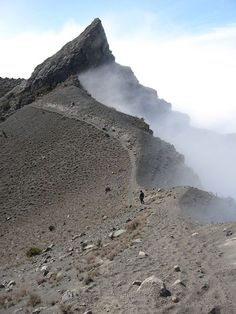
(7, 84)
(90, 49)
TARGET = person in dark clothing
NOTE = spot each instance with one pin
(141, 197)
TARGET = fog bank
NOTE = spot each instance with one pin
(211, 155)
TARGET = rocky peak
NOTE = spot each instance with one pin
(88, 50)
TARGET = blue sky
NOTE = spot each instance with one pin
(185, 49)
(193, 15)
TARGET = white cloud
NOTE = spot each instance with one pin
(196, 73)
(21, 53)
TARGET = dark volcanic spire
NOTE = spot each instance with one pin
(88, 50)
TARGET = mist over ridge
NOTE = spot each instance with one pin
(211, 155)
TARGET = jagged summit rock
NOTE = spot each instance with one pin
(90, 49)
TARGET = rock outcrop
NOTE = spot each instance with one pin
(7, 84)
(90, 49)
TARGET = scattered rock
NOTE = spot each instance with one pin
(142, 254)
(175, 299)
(228, 233)
(154, 282)
(51, 228)
(2, 286)
(89, 247)
(107, 189)
(59, 276)
(104, 217)
(178, 282)
(88, 312)
(151, 281)
(48, 248)
(137, 283)
(8, 218)
(195, 234)
(75, 237)
(177, 268)
(164, 292)
(205, 287)
(11, 284)
(44, 270)
(116, 233)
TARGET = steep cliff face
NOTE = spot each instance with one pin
(90, 49)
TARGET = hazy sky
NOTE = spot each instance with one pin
(185, 49)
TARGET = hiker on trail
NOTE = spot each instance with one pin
(141, 197)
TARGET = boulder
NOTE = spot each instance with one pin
(153, 282)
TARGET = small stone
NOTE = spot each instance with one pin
(175, 299)
(104, 217)
(8, 218)
(11, 284)
(44, 270)
(228, 233)
(164, 292)
(195, 234)
(205, 287)
(59, 276)
(137, 283)
(107, 189)
(51, 228)
(116, 233)
(75, 237)
(154, 282)
(48, 248)
(142, 254)
(89, 247)
(88, 312)
(178, 282)
(135, 241)
(2, 286)
(177, 268)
